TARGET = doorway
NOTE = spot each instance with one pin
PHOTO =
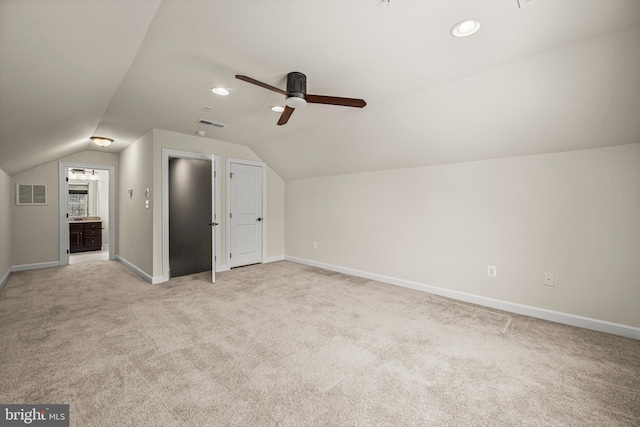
(87, 212)
(246, 201)
(190, 216)
(181, 198)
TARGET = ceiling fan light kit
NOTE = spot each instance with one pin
(297, 97)
(296, 90)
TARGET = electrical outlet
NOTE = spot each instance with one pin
(315, 245)
(492, 270)
(548, 279)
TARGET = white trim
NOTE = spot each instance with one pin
(5, 278)
(540, 313)
(169, 153)
(154, 280)
(35, 266)
(274, 259)
(62, 208)
(262, 165)
(218, 217)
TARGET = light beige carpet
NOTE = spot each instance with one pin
(285, 344)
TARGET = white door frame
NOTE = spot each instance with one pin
(63, 196)
(215, 161)
(263, 166)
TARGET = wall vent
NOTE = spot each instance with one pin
(210, 123)
(31, 194)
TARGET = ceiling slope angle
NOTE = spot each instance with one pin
(551, 76)
(60, 65)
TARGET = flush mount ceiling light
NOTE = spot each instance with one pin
(101, 141)
(220, 91)
(277, 109)
(465, 28)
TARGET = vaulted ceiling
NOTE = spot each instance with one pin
(555, 75)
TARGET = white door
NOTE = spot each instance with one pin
(245, 214)
(214, 220)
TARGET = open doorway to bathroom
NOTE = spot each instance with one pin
(86, 213)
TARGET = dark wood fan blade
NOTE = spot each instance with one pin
(264, 85)
(284, 118)
(336, 100)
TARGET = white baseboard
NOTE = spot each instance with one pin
(273, 259)
(35, 266)
(540, 313)
(222, 268)
(154, 280)
(5, 278)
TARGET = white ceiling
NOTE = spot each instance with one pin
(556, 75)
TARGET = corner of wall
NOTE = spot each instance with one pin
(135, 237)
(5, 227)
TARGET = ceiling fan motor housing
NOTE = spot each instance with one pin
(296, 89)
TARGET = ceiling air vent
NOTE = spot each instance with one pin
(209, 123)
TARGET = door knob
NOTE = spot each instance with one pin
(259, 219)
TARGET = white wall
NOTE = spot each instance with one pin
(140, 241)
(275, 215)
(135, 223)
(5, 226)
(103, 203)
(177, 141)
(37, 233)
(575, 214)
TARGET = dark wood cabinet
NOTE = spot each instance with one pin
(85, 236)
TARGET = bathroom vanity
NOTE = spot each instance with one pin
(85, 235)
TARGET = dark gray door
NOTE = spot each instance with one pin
(189, 216)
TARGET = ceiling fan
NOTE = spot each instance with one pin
(297, 96)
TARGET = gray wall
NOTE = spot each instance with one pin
(140, 229)
(5, 224)
(135, 223)
(575, 214)
(37, 233)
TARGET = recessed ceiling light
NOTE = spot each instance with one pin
(220, 91)
(465, 28)
(277, 109)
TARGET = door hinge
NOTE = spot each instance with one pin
(215, 174)
(231, 175)
(67, 215)
(230, 255)
(67, 179)
(230, 215)
(215, 258)
(67, 250)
